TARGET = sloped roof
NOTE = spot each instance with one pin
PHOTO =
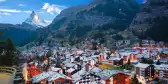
(106, 74)
(142, 55)
(141, 65)
(55, 76)
(40, 77)
(50, 76)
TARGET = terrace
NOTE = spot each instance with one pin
(7, 75)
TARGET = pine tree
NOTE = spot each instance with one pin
(10, 46)
(129, 62)
(48, 55)
(121, 61)
(158, 62)
(143, 60)
(10, 58)
(1, 33)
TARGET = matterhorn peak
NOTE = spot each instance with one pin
(34, 21)
(33, 13)
(34, 18)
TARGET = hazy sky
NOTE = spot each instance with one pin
(16, 11)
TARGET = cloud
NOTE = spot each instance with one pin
(14, 11)
(10, 10)
(47, 21)
(21, 5)
(46, 5)
(2, 0)
(52, 8)
(27, 12)
(4, 13)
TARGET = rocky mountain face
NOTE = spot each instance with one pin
(100, 20)
(34, 22)
(152, 21)
(18, 33)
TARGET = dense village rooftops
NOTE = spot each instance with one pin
(77, 76)
(104, 60)
(90, 58)
(112, 55)
(70, 70)
(106, 74)
(94, 56)
(112, 58)
(125, 53)
(164, 59)
(56, 76)
(95, 83)
(55, 69)
(85, 59)
(141, 65)
(142, 55)
(134, 61)
(31, 63)
(84, 64)
(95, 70)
(161, 67)
(66, 61)
(70, 65)
(165, 49)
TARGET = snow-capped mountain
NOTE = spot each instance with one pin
(34, 21)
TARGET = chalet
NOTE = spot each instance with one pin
(90, 77)
(58, 70)
(139, 56)
(70, 72)
(99, 76)
(114, 77)
(41, 78)
(163, 60)
(78, 76)
(51, 78)
(113, 61)
(59, 79)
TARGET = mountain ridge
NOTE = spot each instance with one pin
(86, 22)
(18, 33)
(151, 21)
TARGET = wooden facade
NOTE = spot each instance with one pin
(62, 81)
(121, 78)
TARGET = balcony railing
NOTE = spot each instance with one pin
(9, 70)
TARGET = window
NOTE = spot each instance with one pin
(57, 83)
(66, 81)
